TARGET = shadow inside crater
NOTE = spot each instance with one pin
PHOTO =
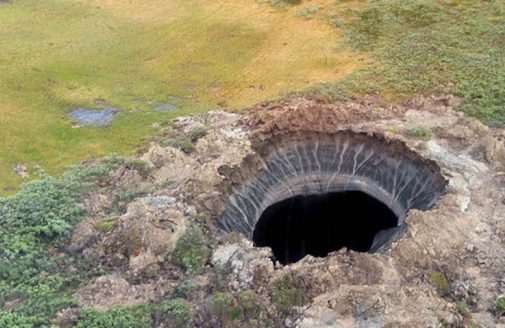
(319, 224)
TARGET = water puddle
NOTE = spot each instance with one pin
(93, 117)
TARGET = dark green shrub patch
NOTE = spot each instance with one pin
(34, 283)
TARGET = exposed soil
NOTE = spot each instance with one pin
(452, 253)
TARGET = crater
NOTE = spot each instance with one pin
(314, 193)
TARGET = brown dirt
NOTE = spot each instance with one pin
(461, 239)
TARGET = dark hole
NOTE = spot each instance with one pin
(319, 224)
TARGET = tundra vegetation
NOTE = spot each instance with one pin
(60, 54)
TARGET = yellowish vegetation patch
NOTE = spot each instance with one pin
(135, 55)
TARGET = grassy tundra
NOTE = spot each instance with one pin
(59, 54)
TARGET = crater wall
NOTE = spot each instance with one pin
(317, 163)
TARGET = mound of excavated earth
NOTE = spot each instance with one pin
(440, 173)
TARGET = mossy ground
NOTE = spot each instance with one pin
(57, 54)
(428, 47)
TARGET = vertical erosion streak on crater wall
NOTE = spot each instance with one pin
(305, 164)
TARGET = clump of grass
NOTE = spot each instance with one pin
(106, 226)
(113, 161)
(192, 251)
(140, 166)
(86, 173)
(244, 306)
(198, 132)
(284, 3)
(288, 293)
(419, 132)
(440, 281)
(307, 13)
(500, 306)
(176, 313)
(247, 306)
(122, 199)
(464, 309)
(335, 21)
(184, 144)
(221, 305)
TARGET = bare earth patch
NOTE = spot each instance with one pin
(450, 254)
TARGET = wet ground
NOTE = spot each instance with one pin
(93, 117)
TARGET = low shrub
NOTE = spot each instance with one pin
(140, 166)
(440, 281)
(198, 132)
(500, 306)
(122, 199)
(106, 225)
(119, 317)
(184, 144)
(307, 13)
(419, 132)
(33, 225)
(288, 293)
(221, 305)
(464, 309)
(175, 314)
(192, 251)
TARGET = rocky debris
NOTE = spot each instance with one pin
(243, 262)
(21, 170)
(152, 228)
(159, 225)
(437, 104)
(112, 290)
(367, 306)
(495, 150)
(12, 304)
(83, 236)
(140, 239)
(451, 253)
(67, 317)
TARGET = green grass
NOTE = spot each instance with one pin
(439, 280)
(192, 251)
(33, 225)
(419, 132)
(429, 46)
(106, 225)
(175, 313)
(288, 293)
(500, 306)
(57, 54)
